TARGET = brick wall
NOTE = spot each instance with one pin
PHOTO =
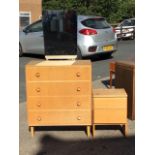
(33, 6)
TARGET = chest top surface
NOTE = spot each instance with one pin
(48, 63)
(109, 93)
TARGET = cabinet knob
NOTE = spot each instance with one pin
(78, 89)
(38, 90)
(38, 104)
(78, 118)
(78, 74)
(37, 75)
(78, 104)
(39, 118)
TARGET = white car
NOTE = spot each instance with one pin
(31, 39)
(126, 29)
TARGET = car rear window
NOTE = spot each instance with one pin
(128, 23)
(96, 23)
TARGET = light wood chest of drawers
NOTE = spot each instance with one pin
(59, 93)
(110, 108)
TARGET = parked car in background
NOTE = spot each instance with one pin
(126, 29)
(31, 39)
(94, 36)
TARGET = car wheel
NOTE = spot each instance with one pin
(133, 36)
(109, 55)
(20, 50)
(79, 55)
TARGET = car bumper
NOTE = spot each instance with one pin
(124, 35)
(85, 52)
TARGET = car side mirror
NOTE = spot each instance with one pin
(26, 31)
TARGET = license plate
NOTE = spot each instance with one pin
(108, 48)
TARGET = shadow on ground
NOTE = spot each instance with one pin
(50, 145)
(37, 56)
(76, 128)
(99, 57)
(106, 83)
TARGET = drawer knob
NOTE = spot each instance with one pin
(39, 118)
(78, 89)
(39, 104)
(78, 118)
(37, 75)
(78, 103)
(78, 74)
(38, 90)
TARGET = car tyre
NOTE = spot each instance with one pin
(133, 36)
(79, 54)
(20, 51)
(109, 55)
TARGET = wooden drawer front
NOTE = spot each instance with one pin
(59, 117)
(58, 73)
(41, 103)
(111, 103)
(58, 88)
(110, 116)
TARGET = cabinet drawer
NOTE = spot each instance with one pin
(110, 103)
(110, 116)
(59, 117)
(58, 73)
(42, 103)
(58, 88)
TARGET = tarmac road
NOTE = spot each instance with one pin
(67, 141)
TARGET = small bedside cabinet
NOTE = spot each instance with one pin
(110, 108)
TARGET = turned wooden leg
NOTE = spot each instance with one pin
(93, 130)
(88, 131)
(32, 131)
(110, 79)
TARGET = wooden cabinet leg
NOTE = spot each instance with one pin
(93, 130)
(88, 131)
(110, 79)
(125, 129)
(32, 131)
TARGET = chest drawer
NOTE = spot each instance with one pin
(110, 103)
(47, 103)
(59, 117)
(58, 88)
(110, 116)
(58, 73)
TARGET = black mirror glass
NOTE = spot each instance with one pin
(60, 32)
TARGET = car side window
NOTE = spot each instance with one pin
(36, 27)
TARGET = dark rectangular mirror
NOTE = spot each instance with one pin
(60, 32)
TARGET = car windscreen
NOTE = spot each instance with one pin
(96, 23)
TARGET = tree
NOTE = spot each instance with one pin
(112, 10)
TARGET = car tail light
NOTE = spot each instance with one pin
(92, 48)
(88, 32)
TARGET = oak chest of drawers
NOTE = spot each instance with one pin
(59, 93)
(109, 107)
